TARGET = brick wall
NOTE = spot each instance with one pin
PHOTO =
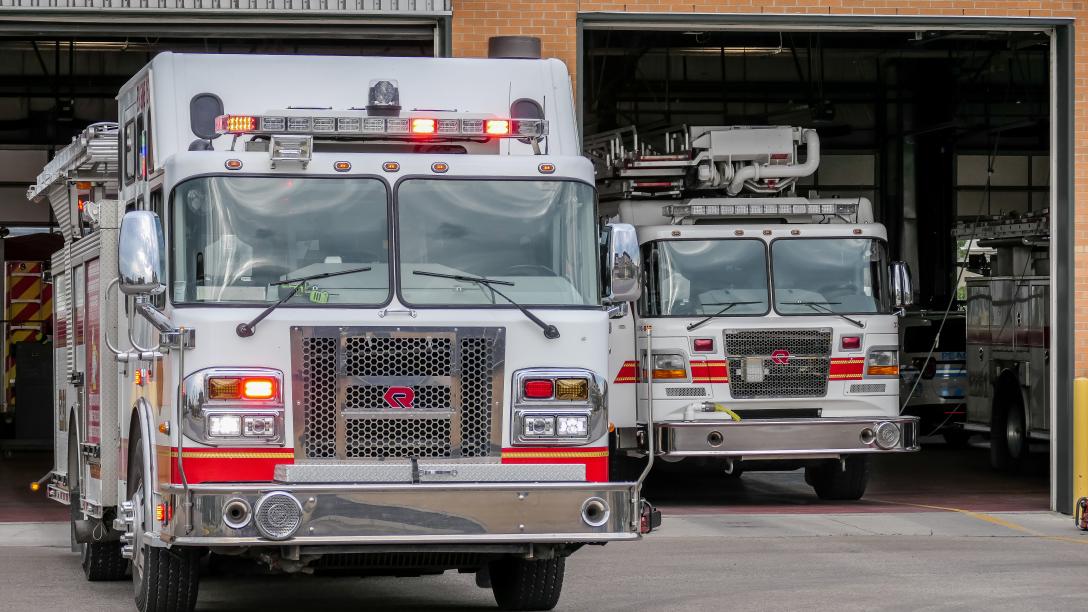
(555, 23)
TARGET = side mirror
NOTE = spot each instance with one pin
(622, 265)
(902, 288)
(140, 254)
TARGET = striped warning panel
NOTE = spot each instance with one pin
(29, 308)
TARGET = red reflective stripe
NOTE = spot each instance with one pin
(699, 371)
(628, 373)
(594, 458)
(229, 465)
(847, 368)
(718, 371)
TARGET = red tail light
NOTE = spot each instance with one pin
(703, 345)
(851, 343)
(539, 389)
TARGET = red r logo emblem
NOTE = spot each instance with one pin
(399, 397)
(780, 357)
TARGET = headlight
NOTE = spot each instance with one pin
(234, 406)
(558, 407)
(224, 425)
(670, 366)
(882, 363)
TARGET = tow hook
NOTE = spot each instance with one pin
(650, 517)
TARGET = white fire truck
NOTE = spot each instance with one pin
(335, 314)
(1008, 335)
(773, 341)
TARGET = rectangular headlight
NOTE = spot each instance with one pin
(539, 427)
(882, 362)
(224, 425)
(572, 426)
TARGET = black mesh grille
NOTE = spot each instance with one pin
(795, 362)
(451, 410)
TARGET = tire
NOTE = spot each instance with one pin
(1008, 433)
(524, 584)
(165, 579)
(835, 482)
(101, 561)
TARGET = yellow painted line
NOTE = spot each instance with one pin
(194, 454)
(552, 455)
(993, 520)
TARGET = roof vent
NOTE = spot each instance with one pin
(513, 47)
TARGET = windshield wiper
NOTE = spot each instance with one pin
(551, 332)
(727, 305)
(245, 330)
(821, 307)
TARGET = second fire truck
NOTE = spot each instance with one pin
(772, 329)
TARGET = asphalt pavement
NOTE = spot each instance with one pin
(891, 561)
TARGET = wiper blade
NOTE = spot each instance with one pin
(551, 332)
(245, 330)
(727, 305)
(820, 306)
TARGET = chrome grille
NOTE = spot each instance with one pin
(803, 374)
(349, 379)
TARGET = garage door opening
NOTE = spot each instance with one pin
(949, 133)
(51, 88)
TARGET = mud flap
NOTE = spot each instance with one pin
(649, 519)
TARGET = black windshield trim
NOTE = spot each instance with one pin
(171, 245)
(770, 261)
(395, 225)
(766, 263)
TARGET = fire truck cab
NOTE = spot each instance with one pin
(767, 322)
(335, 313)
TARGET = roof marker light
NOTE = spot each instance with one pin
(440, 167)
(233, 164)
(497, 127)
(546, 168)
(391, 166)
(423, 126)
(342, 166)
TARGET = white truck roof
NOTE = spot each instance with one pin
(255, 84)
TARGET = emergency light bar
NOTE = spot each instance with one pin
(756, 210)
(363, 126)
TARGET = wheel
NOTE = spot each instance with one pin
(527, 584)
(844, 481)
(1008, 433)
(165, 579)
(101, 561)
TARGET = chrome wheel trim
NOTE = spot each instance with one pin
(1014, 432)
(138, 537)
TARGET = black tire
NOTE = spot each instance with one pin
(1008, 431)
(101, 561)
(525, 584)
(167, 579)
(833, 481)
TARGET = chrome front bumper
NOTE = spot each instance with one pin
(394, 514)
(780, 438)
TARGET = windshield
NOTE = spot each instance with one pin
(233, 236)
(706, 277)
(540, 236)
(841, 275)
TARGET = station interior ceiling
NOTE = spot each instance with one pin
(911, 120)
